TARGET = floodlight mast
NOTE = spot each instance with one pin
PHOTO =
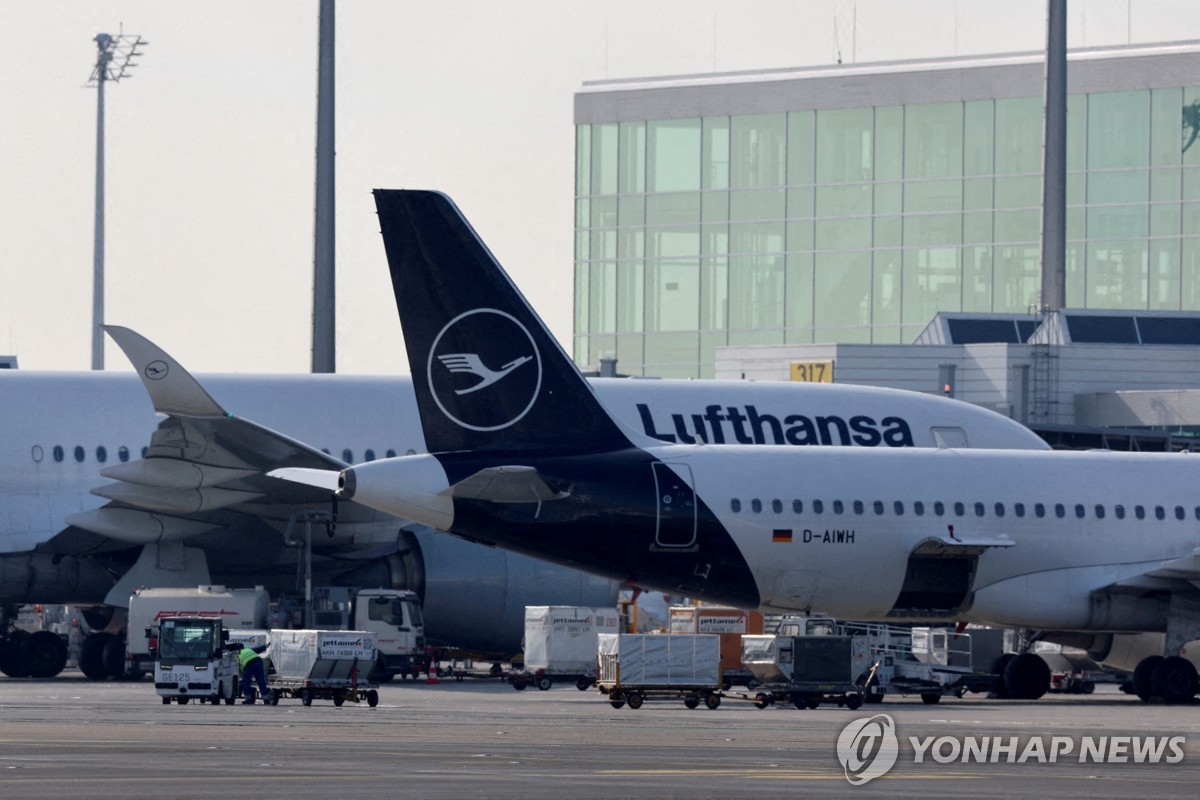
(113, 62)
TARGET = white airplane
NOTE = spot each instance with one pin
(1091, 545)
(97, 501)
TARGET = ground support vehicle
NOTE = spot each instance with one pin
(560, 645)
(635, 667)
(322, 665)
(393, 615)
(192, 663)
(808, 670)
(927, 662)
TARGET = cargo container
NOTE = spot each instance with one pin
(636, 666)
(322, 665)
(560, 645)
(731, 624)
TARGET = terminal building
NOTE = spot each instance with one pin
(732, 225)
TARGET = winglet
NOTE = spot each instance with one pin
(172, 388)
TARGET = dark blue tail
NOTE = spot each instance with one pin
(486, 371)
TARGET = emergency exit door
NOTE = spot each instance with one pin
(676, 517)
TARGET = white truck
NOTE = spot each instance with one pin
(192, 662)
(393, 616)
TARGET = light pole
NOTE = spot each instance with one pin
(113, 62)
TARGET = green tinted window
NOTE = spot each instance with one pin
(844, 146)
(1118, 130)
(933, 146)
(674, 155)
(758, 150)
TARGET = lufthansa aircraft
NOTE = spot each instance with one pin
(1086, 546)
(96, 500)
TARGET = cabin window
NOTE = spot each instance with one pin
(1019, 509)
(756, 506)
(1197, 512)
(1119, 511)
(735, 505)
(101, 454)
(979, 509)
(1139, 512)
(1099, 511)
(1060, 510)
(79, 454)
(818, 507)
(797, 506)
(123, 454)
(1179, 513)
(1080, 511)
(348, 456)
(858, 506)
(999, 509)
(837, 506)
(777, 506)
(939, 508)
(1159, 513)
(145, 450)
(369, 455)
(58, 452)
(959, 509)
(1039, 510)
(390, 453)
(898, 507)
(918, 508)
(878, 506)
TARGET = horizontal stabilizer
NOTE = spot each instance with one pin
(172, 389)
(138, 526)
(508, 484)
(320, 478)
(173, 473)
(946, 546)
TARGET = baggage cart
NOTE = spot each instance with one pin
(635, 667)
(322, 665)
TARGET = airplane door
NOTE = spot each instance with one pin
(676, 517)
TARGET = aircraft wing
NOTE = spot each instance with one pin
(201, 459)
(1165, 577)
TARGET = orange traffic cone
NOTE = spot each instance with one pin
(432, 675)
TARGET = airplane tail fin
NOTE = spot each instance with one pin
(486, 370)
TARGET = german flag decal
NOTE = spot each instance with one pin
(781, 536)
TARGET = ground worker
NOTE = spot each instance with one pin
(253, 669)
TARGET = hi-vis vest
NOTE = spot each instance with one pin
(245, 656)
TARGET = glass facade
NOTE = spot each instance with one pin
(860, 224)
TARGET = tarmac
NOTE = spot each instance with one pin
(71, 738)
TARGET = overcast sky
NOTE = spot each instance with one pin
(210, 153)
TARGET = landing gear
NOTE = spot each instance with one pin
(1171, 680)
(44, 654)
(1026, 677)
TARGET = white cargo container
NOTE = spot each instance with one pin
(634, 666)
(312, 664)
(560, 644)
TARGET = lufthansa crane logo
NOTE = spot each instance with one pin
(484, 370)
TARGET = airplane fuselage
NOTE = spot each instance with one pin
(839, 529)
